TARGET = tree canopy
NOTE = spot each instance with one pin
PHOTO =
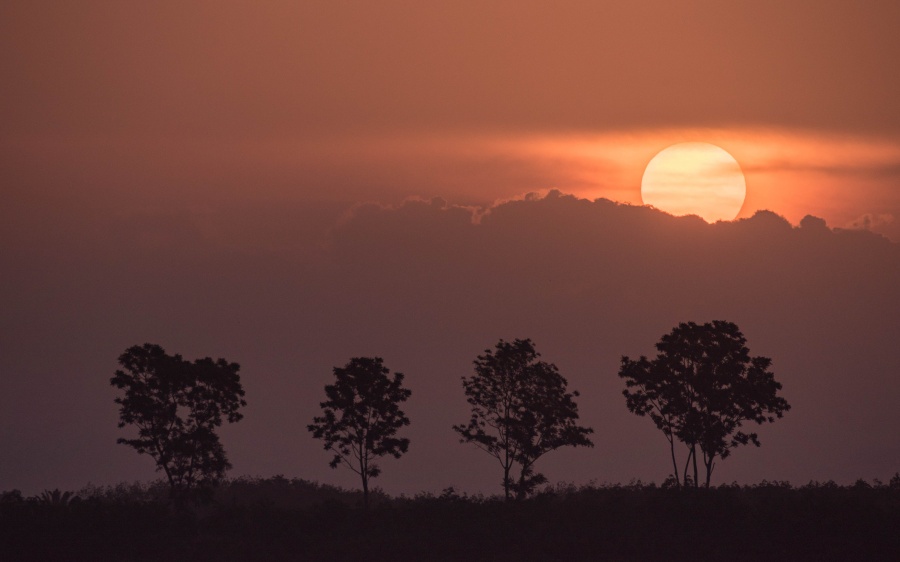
(700, 389)
(176, 406)
(521, 410)
(361, 417)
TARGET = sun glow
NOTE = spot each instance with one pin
(791, 173)
(695, 178)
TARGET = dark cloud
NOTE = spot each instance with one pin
(871, 221)
(426, 287)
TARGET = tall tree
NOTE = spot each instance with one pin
(520, 411)
(176, 406)
(700, 389)
(361, 417)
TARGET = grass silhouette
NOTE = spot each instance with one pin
(293, 519)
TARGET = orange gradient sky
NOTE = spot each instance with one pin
(849, 180)
(469, 101)
(289, 183)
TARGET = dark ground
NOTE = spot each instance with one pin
(281, 519)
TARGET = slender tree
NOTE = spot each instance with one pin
(361, 418)
(176, 406)
(520, 411)
(701, 388)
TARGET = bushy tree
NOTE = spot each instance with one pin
(700, 389)
(520, 411)
(361, 417)
(176, 406)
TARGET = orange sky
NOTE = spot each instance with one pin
(196, 173)
(342, 101)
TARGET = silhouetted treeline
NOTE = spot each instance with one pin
(292, 519)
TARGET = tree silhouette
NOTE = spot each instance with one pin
(361, 417)
(176, 406)
(520, 411)
(700, 389)
(56, 498)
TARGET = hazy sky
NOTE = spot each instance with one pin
(258, 181)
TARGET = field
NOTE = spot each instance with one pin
(291, 519)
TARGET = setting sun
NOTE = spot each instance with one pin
(436, 242)
(694, 178)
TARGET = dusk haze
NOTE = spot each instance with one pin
(414, 213)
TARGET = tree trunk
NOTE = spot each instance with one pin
(696, 475)
(365, 486)
(523, 474)
(674, 462)
(687, 465)
(709, 469)
(506, 481)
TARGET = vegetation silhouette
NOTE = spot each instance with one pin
(57, 498)
(700, 389)
(361, 418)
(520, 411)
(176, 406)
(278, 519)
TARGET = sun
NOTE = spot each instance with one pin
(695, 178)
